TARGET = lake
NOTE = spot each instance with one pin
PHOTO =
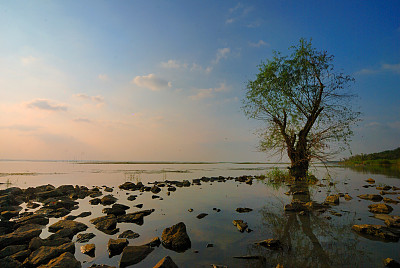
(314, 239)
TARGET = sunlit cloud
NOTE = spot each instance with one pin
(151, 82)
(82, 120)
(385, 67)
(209, 92)
(222, 53)
(229, 21)
(83, 96)
(237, 12)
(28, 60)
(258, 44)
(44, 104)
(23, 128)
(366, 71)
(391, 67)
(173, 64)
(103, 77)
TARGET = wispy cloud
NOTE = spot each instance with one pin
(237, 12)
(222, 53)
(391, 67)
(103, 77)
(45, 104)
(209, 92)
(385, 67)
(83, 96)
(82, 120)
(151, 82)
(260, 43)
(23, 128)
(173, 64)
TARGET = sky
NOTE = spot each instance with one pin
(165, 80)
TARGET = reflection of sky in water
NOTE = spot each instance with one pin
(267, 220)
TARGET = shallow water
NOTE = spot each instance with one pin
(310, 240)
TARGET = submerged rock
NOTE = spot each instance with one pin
(83, 238)
(115, 246)
(134, 254)
(74, 226)
(332, 199)
(244, 210)
(166, 262)
(201, 215)
(129, 234)
(176, 238)
(270, 243)
(378, 231)
(380, 208)
(390, 263)
(372, 197)
(240, 224)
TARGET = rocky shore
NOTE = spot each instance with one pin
(22, 246)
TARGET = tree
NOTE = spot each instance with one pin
(304, 104)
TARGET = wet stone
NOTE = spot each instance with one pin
(129, 234)
(88, 249)
(84, 237)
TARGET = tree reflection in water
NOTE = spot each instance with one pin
(309, 238)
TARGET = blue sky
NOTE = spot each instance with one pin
(163, 80)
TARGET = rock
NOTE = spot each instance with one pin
(129, 234)
(74, 226)
(64, 260)
(21, 235)
(332, 199)
(176, 238)
(32, 205)
(132, 197)
(108, 189)
(139, 205)
(389, 200)
(108, 200)
(155, 189)
(120, 206)
(101, 266)
(115, 246)
(135, 217)
(84, 238)
(155, 242)
(171, 189)
(390, 263)
(347, 197)
(88, 249)
(370, 180)
(106, 223)
(190, 209)
(378, 231)
(38, 242)
(52, 212)
(95, 201)
(218, 266)
(384, 188)
(48, 194)
(10, 250)
(129, 186)
(84, 214)
(63, 233)
(166, 262)
(10, 263)
(270, 243)
(21, 255)
(372, 197)
(385, 192)
(250, 257)
(8, 214)
(45, 253)
(393, 221)
(243, 210)
(32, 219)
(114, 211)
(241, 225)
(201, 215)
(134, 254)
(380, 208)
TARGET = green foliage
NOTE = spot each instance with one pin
(281, 176)
(304, 104)
(384, 156)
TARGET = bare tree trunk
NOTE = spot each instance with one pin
(299, 159)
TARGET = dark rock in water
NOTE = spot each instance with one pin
(389, 200)
(332, 199)
(108, 200)
(108, 189)
(21, 255)
(201, 215)
(10, 250)
(52, 212)
(384, 188)
(95, 201)
(139, 205)
(380, 208)
(47, 194)
(21, 235)
(94, 194)
(155, 196)
(244, 210)
(372, 197)
(270, 243)
(83, 238)
(115, 246)
(134, 254)
(105, 223)
(114, 211)
(74, 226)
(62, 233)
(38, 242)
(190, 209)
(60, 202)
(171, 189)
(10, 263)
(209, 245)
(155, 189)
(70, 217)
(370, 180)
(88, 249)
(128, 186)
(120, 206)
(44, 254)
(176, 238)
(347, 197)
(240, 224)
(100, 266)
(155, 242)
(218, 266)
(166, 262)
(385, 192)
(132, 197)
(393, 221)
(250, 257)
(135, 217)
(129, 234)
(390, 263)
(185, 183)
(32, 219)
(84, 214)
(64, 260)
(32, 205)
(378, 231)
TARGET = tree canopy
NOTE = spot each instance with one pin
(305, 105)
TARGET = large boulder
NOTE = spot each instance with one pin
(108, 200)
(106, 224)
(74, 226)
(134, 254)
(66, 259)
(44, 254)
(32, 219)
(21, 235)
(115, 246)
(176, 238)
(88, 249)
(166, 262)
